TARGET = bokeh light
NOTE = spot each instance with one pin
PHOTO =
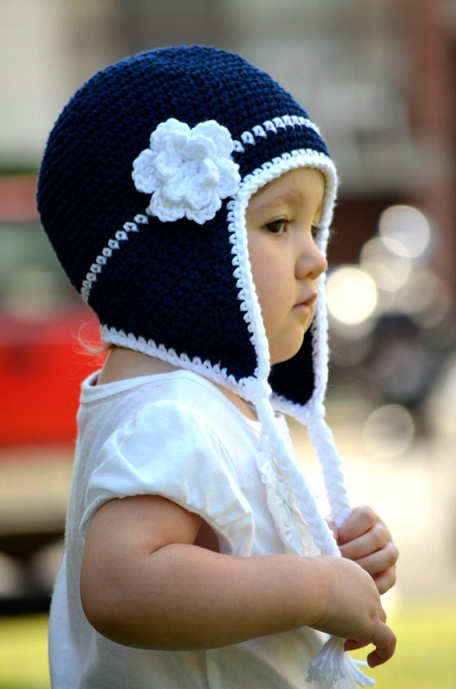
(425, 297)
(388, 431)
(383, 259)
(409, 228)
(351, 295)
(441, 405)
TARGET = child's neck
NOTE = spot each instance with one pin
(123, 363)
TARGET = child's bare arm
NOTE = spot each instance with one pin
(145, 584)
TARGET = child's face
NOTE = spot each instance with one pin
(281, 226)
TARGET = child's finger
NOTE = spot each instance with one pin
(377, 561)
(385, 580)
(361, 520)
(385, 646)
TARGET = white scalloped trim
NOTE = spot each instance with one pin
(242, 272)
(250, 387)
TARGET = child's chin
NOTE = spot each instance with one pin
(286, 354)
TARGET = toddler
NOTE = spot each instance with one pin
(189, 198)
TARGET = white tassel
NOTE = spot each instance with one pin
(323, 441)
(333, 668)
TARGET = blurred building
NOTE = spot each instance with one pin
(378, 75)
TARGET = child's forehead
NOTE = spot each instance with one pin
(302, 184)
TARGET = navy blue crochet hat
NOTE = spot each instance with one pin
(168, 273)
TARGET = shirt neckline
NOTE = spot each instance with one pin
(91, 391)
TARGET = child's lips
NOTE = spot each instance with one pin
(309, 302)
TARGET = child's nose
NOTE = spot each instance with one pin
(311, 262)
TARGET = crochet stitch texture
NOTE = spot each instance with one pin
(89, 204)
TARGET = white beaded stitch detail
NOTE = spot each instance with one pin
(259, 131)
(107, 251)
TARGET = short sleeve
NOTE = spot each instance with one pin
(167, 449)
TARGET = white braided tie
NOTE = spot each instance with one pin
(333, 668)
(322, 440)
(322, 534)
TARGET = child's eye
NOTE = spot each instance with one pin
(277, 227)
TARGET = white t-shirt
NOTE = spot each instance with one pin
(174, 435)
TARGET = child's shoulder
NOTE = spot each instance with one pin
(178, 391)
(179, 412)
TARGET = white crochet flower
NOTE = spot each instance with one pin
(187, 171)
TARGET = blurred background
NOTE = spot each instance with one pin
(379, 76)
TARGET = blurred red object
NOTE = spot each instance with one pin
(17, 197)
(43, 328)
(42, 365)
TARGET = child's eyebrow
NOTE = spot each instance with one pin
(281, 198)
(276, 200)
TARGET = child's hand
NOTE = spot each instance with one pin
(365, 539)
(352, 609)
